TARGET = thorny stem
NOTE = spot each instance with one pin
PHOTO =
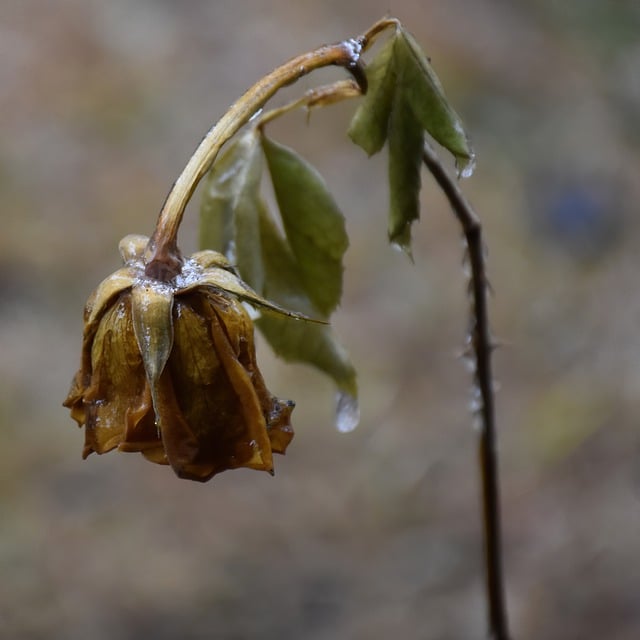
(162, 257)
(482, 345)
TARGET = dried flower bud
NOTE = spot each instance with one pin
(169, 370)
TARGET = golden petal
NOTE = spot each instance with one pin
(279, 425)
(105, 293)
(141, 432)
(152, 305)
(208, 258)
(229, 282)
(156, 455)
(132, 247)
(116, 379)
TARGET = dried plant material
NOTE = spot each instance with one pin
(169, 370)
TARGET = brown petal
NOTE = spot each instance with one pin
(99, 302)
(277, 412)
(117, 380)
(279, 425)
(104, 295)
(132, 248)
(210, 414)
(141, 432)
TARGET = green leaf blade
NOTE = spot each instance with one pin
(406, 143)
(313, 223)
(235, 219)
(229, 218)
(369, 125)
(296, 340)
(424, 92)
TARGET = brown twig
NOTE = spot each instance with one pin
(482, 346)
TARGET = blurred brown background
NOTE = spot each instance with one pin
(374, 533)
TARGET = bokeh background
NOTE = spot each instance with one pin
(374, 533)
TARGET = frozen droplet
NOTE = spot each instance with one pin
(466, 266)
(347, 412)
(402, 247)
(476, 401)
(475, 405)
(469, 362)
(254, 313)
(466, 167)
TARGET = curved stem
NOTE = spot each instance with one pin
(482, 345)
(162, 256)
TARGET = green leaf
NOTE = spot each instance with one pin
(424, 92)
(235, 217)
(406, 140)
(368, 128)
(402, 67)
(298, 341)
(229, 214)
(405, 98)
(313, 224)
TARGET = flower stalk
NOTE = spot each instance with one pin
(162, 257)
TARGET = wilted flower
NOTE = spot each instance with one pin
(169, 369)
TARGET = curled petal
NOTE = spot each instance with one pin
(132, 248)
(117, 381)
(208, 258)
(279, 424)
(140, 430)
(210, 414)
(229, 282)
(105, 293)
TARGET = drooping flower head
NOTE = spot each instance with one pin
(169, 369)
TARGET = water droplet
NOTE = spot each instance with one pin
(402, 247)
(469, 362)
(466, 266)
(466, 167)
(347, 412)
(476, 401)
